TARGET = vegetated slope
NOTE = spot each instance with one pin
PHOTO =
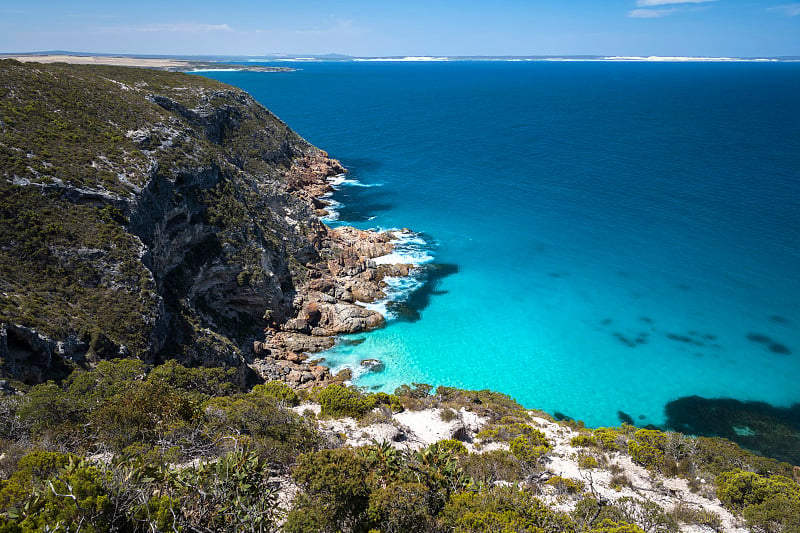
(129, 447)
(144, 213)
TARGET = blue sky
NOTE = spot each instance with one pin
(410, 27)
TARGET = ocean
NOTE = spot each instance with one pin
(595, 239)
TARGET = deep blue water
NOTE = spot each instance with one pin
(604, 236)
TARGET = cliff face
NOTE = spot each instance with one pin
(163, 215)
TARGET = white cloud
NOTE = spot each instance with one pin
(651, 3)
(790, 10)
(172, 28)
(650, 13)
(671, 6)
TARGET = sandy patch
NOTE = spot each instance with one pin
(101, 60)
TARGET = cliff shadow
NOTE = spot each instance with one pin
(430, 275)
(360, 204)
(760, 427)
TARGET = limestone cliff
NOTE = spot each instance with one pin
(164, 215)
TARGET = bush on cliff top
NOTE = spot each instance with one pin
(337, 400)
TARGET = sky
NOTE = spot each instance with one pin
(739, 28)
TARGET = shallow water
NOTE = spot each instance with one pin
(597, 237)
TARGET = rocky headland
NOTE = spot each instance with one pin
(167, 216)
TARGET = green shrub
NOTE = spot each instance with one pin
(503, 510)
(453, 446)
(718, 455)
(202, 381)
(143, 413)
(276, 432)
(647, 448)
(685, 514)
(447, 414)
(493, 404)
(335, 492)
(337, 400)
(418, 391)
(587, 461)
(530, 448)
(229, 493)
(608, 438)
(400, 507)
(390, 400)
(739, 489)
(583, 441)
(50, 489)
(31, 469)
(278, 390)
(491, 466)
(507, 432)
(563, 485)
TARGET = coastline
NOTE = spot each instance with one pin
(347, 276)
(172, 65)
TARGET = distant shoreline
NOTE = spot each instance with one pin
(174, 65)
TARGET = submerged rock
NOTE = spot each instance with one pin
(373, 365)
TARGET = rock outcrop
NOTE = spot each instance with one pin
(161, 215)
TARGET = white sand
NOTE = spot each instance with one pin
(101, 60)
(413, 430)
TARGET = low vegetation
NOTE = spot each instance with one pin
(129, 447)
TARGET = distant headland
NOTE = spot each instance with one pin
(158, 63)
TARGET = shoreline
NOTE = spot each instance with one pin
(340, 286)
(171, 65)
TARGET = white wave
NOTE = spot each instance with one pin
(342, 179)
(681, 59)
(409, 248)
(332, 208)
(378, 306)
(407, 58)
(217, 69)
(356, 371)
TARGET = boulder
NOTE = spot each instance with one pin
(373, 365)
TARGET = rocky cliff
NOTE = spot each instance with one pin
(167, 216)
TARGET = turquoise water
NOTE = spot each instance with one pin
(595, 237)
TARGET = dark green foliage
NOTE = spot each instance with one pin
(484, 402)
(594, 517)
(49, 488)
(647, 448)
(278, 391)
(492, 466)
(609, 526)
(453, 446)
(608, 438)
(144, 413)
(584, 441)
(506, 432)
(104, 295)
(336, 494)
(416, 390)
(531, 447)
(229, 494)
(563, 485)
(646, 514)
(200, 381)
(504, 510)
(337, 400)
(719, 455)
(400, 507)
(259, 420)
(768, 503)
